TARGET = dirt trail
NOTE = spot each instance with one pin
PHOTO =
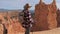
(53, 31)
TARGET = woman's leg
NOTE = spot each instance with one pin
(27, 30)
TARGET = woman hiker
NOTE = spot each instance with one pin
(27, 19)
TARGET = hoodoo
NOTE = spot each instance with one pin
(45, 16)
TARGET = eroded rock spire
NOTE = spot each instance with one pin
(40, 1)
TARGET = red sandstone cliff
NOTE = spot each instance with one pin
(45, 16)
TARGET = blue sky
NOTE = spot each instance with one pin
(18, 4)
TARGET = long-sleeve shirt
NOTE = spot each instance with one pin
(27, 19)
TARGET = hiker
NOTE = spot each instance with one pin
(27, 19)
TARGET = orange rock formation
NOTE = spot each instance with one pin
(45, 16)
(13, 25)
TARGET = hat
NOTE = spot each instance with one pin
(27, 6)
